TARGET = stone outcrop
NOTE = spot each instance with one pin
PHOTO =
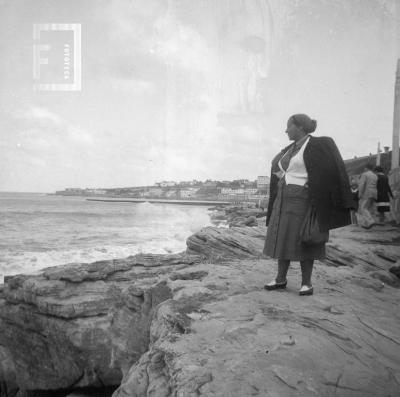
(201, 324)
(236, 216)
(81, 325)
(235, 242)
(240, 340)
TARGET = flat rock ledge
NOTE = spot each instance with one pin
(200, 323)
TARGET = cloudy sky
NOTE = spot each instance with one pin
(191, 89)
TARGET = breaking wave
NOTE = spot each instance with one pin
(42, 231)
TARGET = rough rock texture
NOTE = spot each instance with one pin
(236, 242)
(177, 326)
(81, 325)
(236, 339)
(235, 216)
(395, 269)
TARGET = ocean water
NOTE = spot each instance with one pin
(39, 230)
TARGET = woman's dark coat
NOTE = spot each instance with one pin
(328, 183)
(384, 190)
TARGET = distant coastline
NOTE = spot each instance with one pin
(188, 192)
(161, 201)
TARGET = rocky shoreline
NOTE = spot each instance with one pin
(199, 323)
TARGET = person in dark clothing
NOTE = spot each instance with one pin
(309, 172)
(354, 194)
(384, 193)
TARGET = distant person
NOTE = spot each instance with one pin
(384, 192)
(354, 195)
(367, 194)
(307, 174)
(263, 203)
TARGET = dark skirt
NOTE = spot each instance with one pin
(283, 233)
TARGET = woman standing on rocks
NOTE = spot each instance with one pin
(308, 176)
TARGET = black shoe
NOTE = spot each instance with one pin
(306, 290)
(369, 226)
(275, 285)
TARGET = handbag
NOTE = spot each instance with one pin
(310, 233)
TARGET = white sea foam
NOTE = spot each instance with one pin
(44, 231)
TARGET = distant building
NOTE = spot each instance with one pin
(250, 191)
(194, 182)
(239, 194)
(171, 194)
(263, 182)
(134, 192)
(99, 191)
(73, 190)
(154, 192)
(188, 193)
(166, 184)
(95, 191)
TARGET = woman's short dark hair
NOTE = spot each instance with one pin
(378, 168)
(302, 120)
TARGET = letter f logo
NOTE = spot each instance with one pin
(37, 49)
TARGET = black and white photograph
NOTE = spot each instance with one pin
(199, 198)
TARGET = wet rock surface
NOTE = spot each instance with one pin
(189, 325)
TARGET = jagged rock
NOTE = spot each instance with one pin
(236, 242)
(237, 216)
(386, 278)
(83, 324)
(176, 325)
(395, 270)
(246, 341)
(261, 214)
(242, 221)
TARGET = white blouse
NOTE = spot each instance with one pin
(296, 173)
